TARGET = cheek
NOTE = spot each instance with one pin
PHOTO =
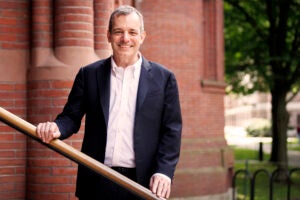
(113, 39)
(137, 42)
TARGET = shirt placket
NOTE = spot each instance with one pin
(116, 108)
(123, 101)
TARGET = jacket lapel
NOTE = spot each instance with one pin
(103, 76)
(144, 82)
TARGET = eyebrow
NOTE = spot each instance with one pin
(120, 29)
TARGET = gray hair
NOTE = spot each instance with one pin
(125, 10)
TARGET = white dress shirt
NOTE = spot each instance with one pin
(123, 93)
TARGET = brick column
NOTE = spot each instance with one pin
(14, 34)
(63, 41)
(102, 47)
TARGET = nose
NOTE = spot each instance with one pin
(126, 36)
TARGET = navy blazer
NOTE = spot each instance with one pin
(157, 125)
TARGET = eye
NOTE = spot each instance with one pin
(133, 33)
(117, 32)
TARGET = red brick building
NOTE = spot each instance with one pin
(44, 42)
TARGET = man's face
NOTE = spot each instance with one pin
(126, 38)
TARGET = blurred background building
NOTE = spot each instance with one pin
(244, 111)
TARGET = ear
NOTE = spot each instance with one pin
(143, 36)
(108, 36)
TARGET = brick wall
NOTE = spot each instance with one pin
(12, 143)
(14, 44)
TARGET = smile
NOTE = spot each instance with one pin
(125, 46)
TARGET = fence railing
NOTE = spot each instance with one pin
(272, 178)
(77, 156)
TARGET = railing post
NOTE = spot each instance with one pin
(255, 174)
(247, 174)
(292, 171)
(261, 151)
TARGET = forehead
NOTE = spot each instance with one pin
(130, 21)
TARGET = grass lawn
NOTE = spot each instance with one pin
(248, 159)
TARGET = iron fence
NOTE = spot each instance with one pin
(286, 175)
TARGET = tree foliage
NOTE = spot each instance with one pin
(261, 41)
(262, 53)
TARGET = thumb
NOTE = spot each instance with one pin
(56, 134)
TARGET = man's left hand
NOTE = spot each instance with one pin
(160, 185)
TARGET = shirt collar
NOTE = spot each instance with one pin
(136, 66)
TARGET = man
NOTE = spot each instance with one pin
(133, 118)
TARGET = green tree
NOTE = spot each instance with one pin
(262, 43)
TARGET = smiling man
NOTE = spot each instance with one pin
(126, 34)
(133, 118)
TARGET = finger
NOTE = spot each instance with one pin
(56, 134)
(47, 132)
(52, 128)
(164, 190)
(42, 131)
(52, 131)
(38, 130)
(154, 185)
(168, 192)
(151, 183)
(160, 187)
(55, 131)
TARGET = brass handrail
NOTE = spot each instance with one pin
(77, 156)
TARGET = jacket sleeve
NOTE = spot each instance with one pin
(69, 120)
(171, 127)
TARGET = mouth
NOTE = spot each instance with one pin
(125, 46)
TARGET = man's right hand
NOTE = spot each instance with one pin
(47, 131)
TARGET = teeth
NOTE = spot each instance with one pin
(125, 45)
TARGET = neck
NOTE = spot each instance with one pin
(124, 61)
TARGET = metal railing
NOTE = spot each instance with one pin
(77, 156)
(271, 176)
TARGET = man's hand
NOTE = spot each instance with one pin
(160, 185)
(47, 131)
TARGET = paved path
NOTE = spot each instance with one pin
(241, 140)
